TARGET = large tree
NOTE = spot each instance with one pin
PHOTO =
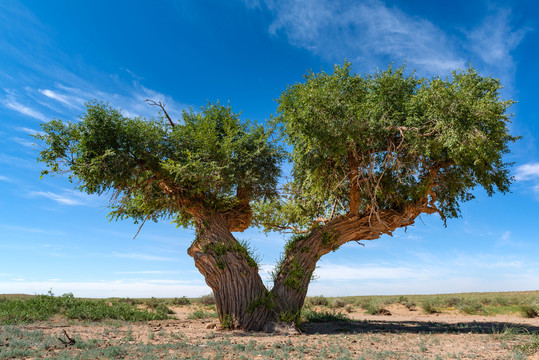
(370, 154)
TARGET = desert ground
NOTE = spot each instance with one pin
(193, 332)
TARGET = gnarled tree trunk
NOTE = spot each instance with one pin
(242, 300)
(302, 254)
(231, 273)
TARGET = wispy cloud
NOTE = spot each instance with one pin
(28, 130)
(527, 172)
(366, 31)
(494, 39)
(144, 257)
(118, 288)
(329, 271)
(62, 199)
(147, 272)
(5, 178)
(23, 142)
(23, 109)
(74, 102)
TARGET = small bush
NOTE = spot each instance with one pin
(181, 301)
(162, 308)
(207, 300)
(529, 311)
(153, 303)
(349, 308)
(472, 307)
(453, 301)
(198, 314)
(372, 307)
(429, 307)
(338, 303)
(318, 301)
(324, 316)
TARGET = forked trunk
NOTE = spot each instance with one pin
(231, 273)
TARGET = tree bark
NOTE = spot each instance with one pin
(302, 254)
(242, 300)
(230, 273)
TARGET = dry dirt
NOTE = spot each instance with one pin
(404, 334)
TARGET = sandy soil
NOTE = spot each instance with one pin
(404, 334)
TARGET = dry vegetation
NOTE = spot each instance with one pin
(456, 326)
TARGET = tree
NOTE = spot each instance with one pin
(370, 154)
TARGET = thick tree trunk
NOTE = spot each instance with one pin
(231, 274)
(242, 300)
(302, 253)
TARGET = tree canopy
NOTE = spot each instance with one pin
(387, 141)
(157, 168)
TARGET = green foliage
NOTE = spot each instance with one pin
(324, 316)
(201, 314)
(294, 275)
(529, 311)
(227, 322)
(429, 306)
(372, 307)
(407, 137)
(266, 300)
(240, 247)
(208, 299)
(43, 307)
(181, 301)
(318, 301)
(156, 170)
(338, 303)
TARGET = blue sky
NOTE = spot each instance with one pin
(57, 55)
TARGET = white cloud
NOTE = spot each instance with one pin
(74, 102)
(335, 272)
(147, 272)
(23, 142)
(25, 110)
(28, 130)
(93, 289)
(527, 172)
(363, 31)
(142, 257)
(494, 39)
(5, 178)
(62, 199)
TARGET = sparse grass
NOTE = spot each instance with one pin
(201, 314)
(43, 307)
(324, 316)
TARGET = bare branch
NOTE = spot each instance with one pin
(162, 107)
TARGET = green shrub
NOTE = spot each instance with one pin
(372, 307)
(207, 299)
(324, 316)
(153, 303)
(472, 307)
(181, 301)
(43, 307)
(318, 301)
(338, 303)
(429, 307)
(529, 311)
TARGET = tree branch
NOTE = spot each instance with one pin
(162, 107)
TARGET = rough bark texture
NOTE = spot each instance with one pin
(301, 256)
(230, 273)
(242, 300)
